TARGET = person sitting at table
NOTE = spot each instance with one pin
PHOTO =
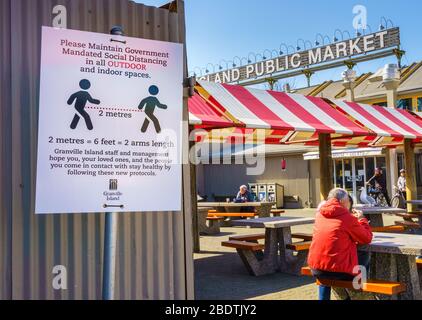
(333, 253)
(244, 196)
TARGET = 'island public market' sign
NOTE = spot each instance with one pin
(340, 50)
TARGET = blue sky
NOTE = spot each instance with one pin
(223, 29)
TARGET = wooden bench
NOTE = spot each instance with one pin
(389, 229)
(251, 237)
(243, 245)
(299, 246)
(408, 224)
(233, 214)
(214, 218)
(407, 215)
(371, 286)
(277, 212)
(302, 236)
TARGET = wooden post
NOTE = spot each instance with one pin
(411, 187)
(325, 165)
(195, 226)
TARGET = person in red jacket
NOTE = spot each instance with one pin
(337, 232)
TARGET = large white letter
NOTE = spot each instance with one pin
(328, 55)
(292, 60)
(382, 35)
(249, 70)
(315, 56)
(341, 47)
(368, 43)
(60, 20)
(354, 46)
(269, 64)
(360, 21)
(60, 281)
(235, 75)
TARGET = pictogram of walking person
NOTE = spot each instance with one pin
(82, 97)
(150, 104)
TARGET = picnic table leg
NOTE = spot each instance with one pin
(408, 273)
(383, 267)
(289, 263)
(269, 264)
(375, 220)
(271, 258)
(202, 221)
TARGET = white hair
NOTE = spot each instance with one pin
(339, 194)
(244, 187)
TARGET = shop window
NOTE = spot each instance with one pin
(405, 104)
(419, 104)
(400, 162)
(369, 167)
(381, 164)
(338, 164)
(381, 104)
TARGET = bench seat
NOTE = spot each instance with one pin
(302, 236)
(277, 212)
(250, 237)
(214, 219)
(389, 229)
(299, 246)
(371, 286)
(243, 245)
(407, 215)
(408, 224)
(233, 214)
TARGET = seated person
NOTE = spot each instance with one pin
(244, 196)
(337, 232)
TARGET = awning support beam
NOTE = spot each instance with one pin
(325, 165)
(411, 187)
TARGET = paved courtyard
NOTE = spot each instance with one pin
(221, 275)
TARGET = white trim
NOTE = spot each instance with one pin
(347, 153)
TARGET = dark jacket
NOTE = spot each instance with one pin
(242, 198)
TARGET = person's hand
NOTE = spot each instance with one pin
(358, 214)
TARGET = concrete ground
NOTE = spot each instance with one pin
(221, 275)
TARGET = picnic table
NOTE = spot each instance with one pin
(276, 256)
(393, 258)
(263, 209)
(415, 202)
(374, 214)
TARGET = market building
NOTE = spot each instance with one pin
(353, 167)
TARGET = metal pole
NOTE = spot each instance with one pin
(110, 234)
(109, 262)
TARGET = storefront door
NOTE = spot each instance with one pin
(353, 173)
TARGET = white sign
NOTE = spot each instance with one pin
(109, 124)
(270, 66)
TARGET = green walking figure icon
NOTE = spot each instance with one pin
(82, 97)
(150, 104)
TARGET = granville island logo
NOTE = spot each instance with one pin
(113, 194)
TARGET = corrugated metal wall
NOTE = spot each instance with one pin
(154, 249)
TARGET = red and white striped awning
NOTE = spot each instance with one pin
(201, 114)
(277, 117)
(286, 117)
(384, 122)
(260, 109)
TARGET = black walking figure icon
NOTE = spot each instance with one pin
(150, 103)
(82, 97)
